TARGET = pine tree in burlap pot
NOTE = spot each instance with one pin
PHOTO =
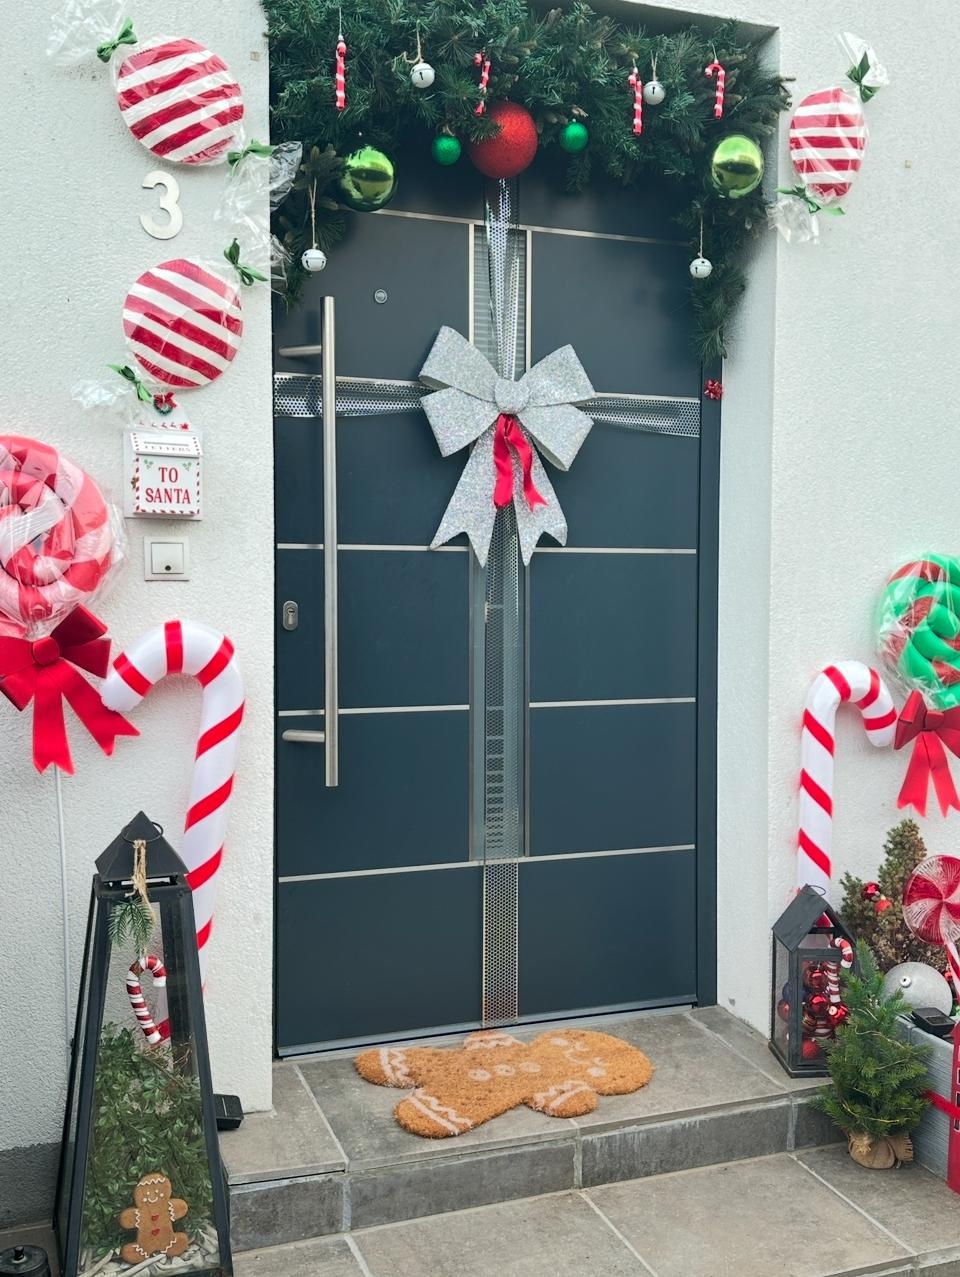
(881, 924)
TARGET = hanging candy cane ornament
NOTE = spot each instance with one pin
(186, 647)
(715, 69)
(341, 71)
(833, 686)
(152, 1032)
(633, 79)
(931, 907)
(833, 970)
(481, 60)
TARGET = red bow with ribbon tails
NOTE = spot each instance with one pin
(507, 435)
(47, 672)
(931, 730)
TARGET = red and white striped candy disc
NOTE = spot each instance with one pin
(931, 900)
(180, 100)
(828, 136)
(182, 322)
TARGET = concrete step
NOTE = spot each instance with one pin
(330, 1159)
(806, 1214)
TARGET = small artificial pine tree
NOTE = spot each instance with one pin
(888, 936)
(877, 1079)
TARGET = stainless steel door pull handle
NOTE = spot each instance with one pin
(331, 673)
(302, 737)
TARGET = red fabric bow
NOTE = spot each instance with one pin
(46, 671)
(165, 402)
(930, 730)
(713, 389)
(507, 435)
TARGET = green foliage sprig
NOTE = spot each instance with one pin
(877, 1079)
(565, 64)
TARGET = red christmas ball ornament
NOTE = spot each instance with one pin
(513, 148)
(839, 1014)
(810, 1049)
(883, 904)
(871, 890)
(783, 1009)
(819, 1005)
(808, 1021)
(817, 979)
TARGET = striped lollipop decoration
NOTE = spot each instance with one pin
(828, 136)
(931, 907)
(180, 100)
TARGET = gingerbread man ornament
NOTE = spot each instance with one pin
(561, 1073)
(153, 1218)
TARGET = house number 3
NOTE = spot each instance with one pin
(168, 197)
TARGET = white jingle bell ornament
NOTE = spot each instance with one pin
(421, 75)
(701, 268)
(653, 93)
(313, 259)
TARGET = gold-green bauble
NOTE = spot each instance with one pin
(736, 166)
(369, 180)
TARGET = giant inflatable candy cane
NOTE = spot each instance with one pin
(184, 647)
(845, 681)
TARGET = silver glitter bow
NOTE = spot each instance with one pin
(465, 411)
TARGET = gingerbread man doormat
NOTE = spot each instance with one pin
(560, 1073)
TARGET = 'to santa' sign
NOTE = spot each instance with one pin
(163, 469)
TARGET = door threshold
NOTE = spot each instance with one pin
(452, 1035)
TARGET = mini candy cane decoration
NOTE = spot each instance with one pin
(716, 69)
(150, 963)
(341, 73)
(481, 60)
(833, 970)
(633, 79)
(185, 647)
(845, 681)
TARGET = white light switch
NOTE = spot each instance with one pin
(165, 559)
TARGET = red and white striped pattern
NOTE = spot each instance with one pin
(931, 907)
(833, 969)
(633, 79)
(836, 685)
(56, 542)
(186, 647)
(481, 60)
(341, 75)
(151, 963)
(183, 323)
(828, 136)
(180, 100)
(715, 69)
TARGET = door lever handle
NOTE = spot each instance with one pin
(300, 352)
(301, 737)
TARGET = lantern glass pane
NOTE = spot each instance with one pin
(783, 1000)
(147, 1196)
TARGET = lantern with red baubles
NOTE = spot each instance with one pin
(511, 150)
(807, 954)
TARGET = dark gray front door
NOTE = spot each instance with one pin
(523, 821)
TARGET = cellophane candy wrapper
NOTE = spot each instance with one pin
(61, 539)
(259, 179)
(178, 98)
(130, 400)
(918, 628)
(183, 319)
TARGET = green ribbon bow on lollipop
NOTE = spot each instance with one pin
(247, 274)
(106, 50)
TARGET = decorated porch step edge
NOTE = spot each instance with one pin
(274, 1212)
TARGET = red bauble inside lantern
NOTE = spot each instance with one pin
(816, 979)
(513, 148)
(819, 1005)
(811, 1049)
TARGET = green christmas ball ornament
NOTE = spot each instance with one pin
(369, 180)
(736, 166)
(445, 149)
(574, 137)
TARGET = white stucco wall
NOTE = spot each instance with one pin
(70, 245)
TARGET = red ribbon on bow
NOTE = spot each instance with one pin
(930, 730)
(164, 402)
(507, 435)
(46, 671)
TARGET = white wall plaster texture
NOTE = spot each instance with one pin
(71, 245)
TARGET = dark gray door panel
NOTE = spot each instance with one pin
(298, 460)
(607, 931)
(403, 795)
(387, 953)
(610, 777)
(300, 651)
(613, 626)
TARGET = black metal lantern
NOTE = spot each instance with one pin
(809, 944)
(141, 1185)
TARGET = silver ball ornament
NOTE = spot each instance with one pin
(653, 93)
(422, 75)
(313, 259)
(920, 985)
(701, 268)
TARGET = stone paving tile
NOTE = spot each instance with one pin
(740, 1037)
(330, 1257)
(559, 1236)
(361, 1116)
(746, 1219)
(292, 1139)
(694, 1071)
(914, 1205)
(274, 1212)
